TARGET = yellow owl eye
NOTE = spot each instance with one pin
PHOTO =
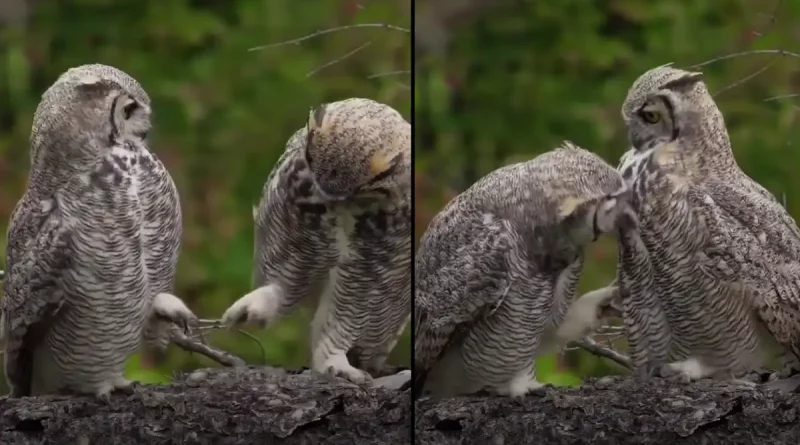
(651, 117)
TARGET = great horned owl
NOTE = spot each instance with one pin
(711, 277)
(93, 242)
(334, 223)
(497, 270)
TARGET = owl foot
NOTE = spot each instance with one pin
(687, 371)
(394, 382)
(103, 394)
(259, 307)
(522, 385)
(172, 308)
(338, 366)
(126, 386)
(674, 375)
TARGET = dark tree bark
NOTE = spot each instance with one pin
(616, 410)
(225, 406)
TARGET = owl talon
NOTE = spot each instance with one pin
(352, 374)
(127, 386)
(104, 397)
(522, 385)
(259, 307)
(172, 308)
(674, 375)
(686, 371)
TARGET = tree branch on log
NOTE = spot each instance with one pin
(618, 411)
(221, 406)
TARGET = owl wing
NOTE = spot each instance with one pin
(293, 245)
(161, 237)
(31, 288)
(163, 223)
(381, 271)
(461, 274)
(754, 242)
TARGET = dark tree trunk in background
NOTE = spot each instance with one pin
(616, 411)
(223, 406)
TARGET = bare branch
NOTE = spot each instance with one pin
(331, 30)
(601, 351)
(222, 357)
(339, 59)
(213, 325)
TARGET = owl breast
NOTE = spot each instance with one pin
(107, 295)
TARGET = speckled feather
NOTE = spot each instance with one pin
(713, 273)
(334, 223)
(95, 236)
(500, 262)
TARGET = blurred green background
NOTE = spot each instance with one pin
(222, 117)
(502, 81)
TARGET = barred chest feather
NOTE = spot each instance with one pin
(107, 292)
(633, 167)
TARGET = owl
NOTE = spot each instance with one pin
(93, 242)
(334, 225)
(711, 281)
(497, 272)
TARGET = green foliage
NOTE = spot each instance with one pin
(222, 116)
(520, 79)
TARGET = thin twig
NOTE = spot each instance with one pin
(745, 79)
(781, 52)
(261, 346)
(222, 357)
(330, 30)
(601, 351)
(785, 96)
(339, 59)
(389, 73)
(211, 325)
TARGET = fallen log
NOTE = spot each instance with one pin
(221, 406)
(616, 410)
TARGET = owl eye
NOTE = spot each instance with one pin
(128, 109)
(651, 117)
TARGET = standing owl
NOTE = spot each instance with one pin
(712, 279)
(92, 244)
(334, 223)
(497, 270)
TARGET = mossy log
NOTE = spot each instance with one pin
(616, 410)
(224, 406)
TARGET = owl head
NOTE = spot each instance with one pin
(359, 148)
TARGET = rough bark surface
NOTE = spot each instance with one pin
(226, 406)
(616, 410)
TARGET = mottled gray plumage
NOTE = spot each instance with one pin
(334, 223)
(498, 268)
(93, 242)
(712, 277)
